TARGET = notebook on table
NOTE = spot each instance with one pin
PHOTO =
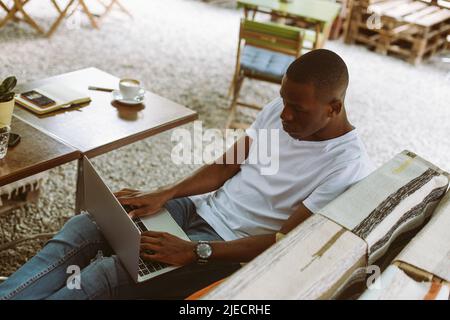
(51, 97)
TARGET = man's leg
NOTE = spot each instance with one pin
(182, 282)
(106, 278)
(99, 280)
(77, 242)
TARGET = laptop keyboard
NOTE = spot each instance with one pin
(141, 226)
(147, 267)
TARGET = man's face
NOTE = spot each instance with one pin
(303, 114)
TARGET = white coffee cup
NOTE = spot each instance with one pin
(129, 88)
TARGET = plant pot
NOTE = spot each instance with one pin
(6, 111)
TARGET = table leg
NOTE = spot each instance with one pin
(108, 8)
(58, 8)
(79, 197)
(89, 14)
(62, 15)
(27, 18)
(75, 9)
(4, 6)
(125, 10)
(11, 14)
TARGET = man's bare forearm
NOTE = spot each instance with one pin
(241, 250)
(244, 250)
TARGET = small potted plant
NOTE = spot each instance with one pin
(7, 100)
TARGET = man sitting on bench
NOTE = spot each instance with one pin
(234, 207)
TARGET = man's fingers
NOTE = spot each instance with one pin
(123, 200)
(125, 192)
(152, 234)
(130, 200)
(149, 246)
(150, 240)
(151, 257)
(144, 211)
(131, 195)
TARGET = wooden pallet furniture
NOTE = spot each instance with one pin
(411, 29)
(422, 269)
(323, 256)
(338, 26)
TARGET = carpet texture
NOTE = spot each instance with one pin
(185, 51)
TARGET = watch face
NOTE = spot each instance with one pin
(204, 250)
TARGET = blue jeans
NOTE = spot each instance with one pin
(103, 276)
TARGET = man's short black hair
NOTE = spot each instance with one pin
(322, 68)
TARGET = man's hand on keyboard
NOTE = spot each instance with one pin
(167, 248)
(143, 203)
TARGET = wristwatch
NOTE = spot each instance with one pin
(203, 250)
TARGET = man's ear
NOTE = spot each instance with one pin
(336, 107)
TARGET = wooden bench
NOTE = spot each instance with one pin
(327, 256)
(422, 269)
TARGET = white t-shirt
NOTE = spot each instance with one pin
(312, 172)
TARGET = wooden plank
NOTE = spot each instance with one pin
(404, 9)
(311, 262)
(395, 284)
(380, 8)
(417, 15)
(430, 249)
(434, 18)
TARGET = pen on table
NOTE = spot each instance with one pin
(100, 89)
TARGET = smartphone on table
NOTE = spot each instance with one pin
(38, 99)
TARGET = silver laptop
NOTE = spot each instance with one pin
(123, 233)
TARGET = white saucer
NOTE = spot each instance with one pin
(117, 96)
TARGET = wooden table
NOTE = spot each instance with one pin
(319, 13)
(101, 126)
(36, 152)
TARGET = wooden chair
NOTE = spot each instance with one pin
(265, 50)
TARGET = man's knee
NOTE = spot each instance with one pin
(101, 279)
(80, 229)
